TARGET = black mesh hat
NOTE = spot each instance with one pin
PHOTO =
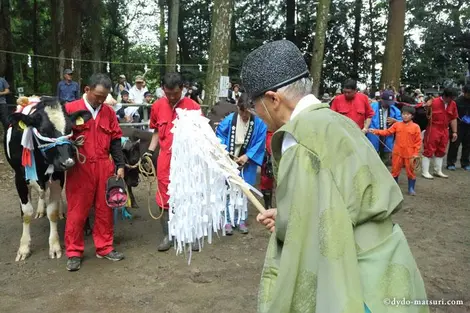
(272, 66)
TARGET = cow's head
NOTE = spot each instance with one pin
(131, 151)
(52, 130)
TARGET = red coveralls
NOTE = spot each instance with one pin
(407, 145)
(436, 136)
(161, 119)
(86, 183)
(358, 109)
(267, 183)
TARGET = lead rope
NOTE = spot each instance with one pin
(147, 173)
(79, 142)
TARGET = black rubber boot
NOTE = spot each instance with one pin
(166, 243)
(267, 196)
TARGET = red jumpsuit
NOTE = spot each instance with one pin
(357, 109)
(86, 183)
(267, 183)
(161, 119)
(406, 147)
(436, 136)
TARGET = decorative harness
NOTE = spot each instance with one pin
(249, 133)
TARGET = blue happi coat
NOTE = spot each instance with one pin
(389, 141)
(254, 150)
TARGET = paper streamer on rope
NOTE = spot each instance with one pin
(146, 68)
(200, 67)
(30, 64)
(199, 183)
(178, 68)
(71, 65)
(108, 67)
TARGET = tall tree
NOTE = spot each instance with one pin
(323, 9)
(290, 20)
(95, 32)
(373, 44)
(162, 36)
(357, 39)
(70, 36)
(219, 54)
(392, 62)
(172, 35)
(6, 62)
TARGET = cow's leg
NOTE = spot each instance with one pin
(27, 214)
(40, 187)
(61, 177)
(134, 204)
(53, 214)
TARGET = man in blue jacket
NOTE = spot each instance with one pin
(386, 114)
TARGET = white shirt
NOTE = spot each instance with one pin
(137, 94)
(94, 112)
(304, 103)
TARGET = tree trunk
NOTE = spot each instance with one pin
(357, 40)
(323, 10)
(162, 33)
(96, 37)
(70, 37)
(219, 54)
(290, 20)
(173, 36)
(6, 61)
(55, 25)
(35, 46)
(394, 45)
(373, 43)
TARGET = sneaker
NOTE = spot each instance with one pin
(228, 230)
(73, 264)
(467, 168)
(451, 167)
(243, 229)
(112, 256)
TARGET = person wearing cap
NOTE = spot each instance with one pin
(385, 115)
(161, 120)
(121, 85)
(67, 89)
(86, 183)
(244, 136)
(354, 105)
(436, 137)
(334, 247)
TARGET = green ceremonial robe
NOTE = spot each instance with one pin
(335, 247)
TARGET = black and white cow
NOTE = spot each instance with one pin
(49, 129)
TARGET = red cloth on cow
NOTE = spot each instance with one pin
(436, 136)
(161, 119)
(86, 183)
(267, 183)
(358, 109)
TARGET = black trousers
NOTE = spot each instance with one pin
(464, 139)
(4, 114)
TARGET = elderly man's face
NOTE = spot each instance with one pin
(267, 108)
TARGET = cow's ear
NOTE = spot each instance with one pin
(80, 117)
(16, 118)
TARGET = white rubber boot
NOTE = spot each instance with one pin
(438, 168)
(425, 168)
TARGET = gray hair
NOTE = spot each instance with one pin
(297, 89)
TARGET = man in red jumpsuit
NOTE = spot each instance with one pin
(354, 105)
(161, 120)
(436, 136)
(86, 183)
(267, 180)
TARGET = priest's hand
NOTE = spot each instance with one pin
(268, 219)
(242, 160)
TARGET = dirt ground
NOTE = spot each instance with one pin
(224, 277)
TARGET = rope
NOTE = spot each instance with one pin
(415, 162)
(79, 142)
(147, 172)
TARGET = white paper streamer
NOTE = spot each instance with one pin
(108, 67)
(200, 67)
(30, 64)
(71, 65)
(178, 68)
(199, 186)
